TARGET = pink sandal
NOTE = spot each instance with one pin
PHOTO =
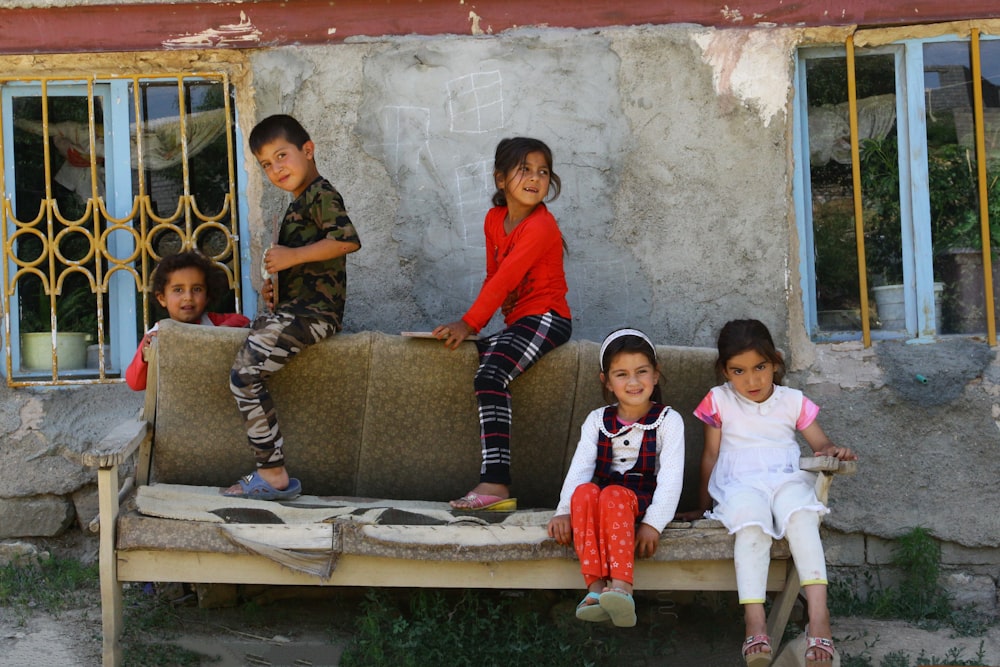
(823, 645)
(761, 658)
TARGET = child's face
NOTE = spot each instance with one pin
(527, 184)
(186, 295)
(631, 377)
(751, 375)
(289, 167)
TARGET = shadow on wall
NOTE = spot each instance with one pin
(932, 374)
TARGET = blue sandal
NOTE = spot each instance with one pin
(254, 487)
(593, 613)
(620, 606)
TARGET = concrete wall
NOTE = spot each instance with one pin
(673, 144)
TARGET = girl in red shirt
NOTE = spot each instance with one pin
(526, 281)
(183, 284)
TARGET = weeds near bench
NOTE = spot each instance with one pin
(473, 630)
(52, 585)
(918, 597)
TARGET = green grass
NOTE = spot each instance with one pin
(467, 629)
(918, 598)
(51, 585)
(57, 584)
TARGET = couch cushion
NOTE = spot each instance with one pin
(319, 398)
(424, 441)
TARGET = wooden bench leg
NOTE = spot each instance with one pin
(111, 588)
(781, 610)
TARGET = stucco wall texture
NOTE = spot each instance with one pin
(673, 144)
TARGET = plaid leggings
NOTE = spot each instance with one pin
(502, 357)
(273, 340)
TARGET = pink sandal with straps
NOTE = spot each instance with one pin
(823, 645)
(761, 658)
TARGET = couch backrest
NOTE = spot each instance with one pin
(378, 415)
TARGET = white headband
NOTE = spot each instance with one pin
(615, 335)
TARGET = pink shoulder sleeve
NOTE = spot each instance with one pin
(808, 414)
(708, 412)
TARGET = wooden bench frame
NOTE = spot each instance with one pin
(711, 570)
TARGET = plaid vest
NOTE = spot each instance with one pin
(642, 477)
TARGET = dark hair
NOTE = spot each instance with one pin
(278, 126)
(628, 343)
(511, 153)
(216, 282)
(738, 336)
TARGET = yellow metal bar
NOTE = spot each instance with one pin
(859, 223)
(984, 210)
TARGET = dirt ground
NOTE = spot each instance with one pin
(304, 627)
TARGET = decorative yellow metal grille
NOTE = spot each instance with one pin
(60, 265)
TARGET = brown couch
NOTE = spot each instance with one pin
(374, 416)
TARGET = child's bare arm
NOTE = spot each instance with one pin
(279, 257)
(709, 455)
(823, 446)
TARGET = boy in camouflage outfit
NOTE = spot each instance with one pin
(306, 301)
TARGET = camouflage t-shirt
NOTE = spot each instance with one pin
(317, 289)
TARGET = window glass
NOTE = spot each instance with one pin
(105, 178)
(837, 286)
(953, 180)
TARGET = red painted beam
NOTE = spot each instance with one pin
(262, 23)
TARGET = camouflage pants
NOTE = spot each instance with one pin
(275, 338)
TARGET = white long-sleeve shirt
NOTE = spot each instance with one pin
(669, 462)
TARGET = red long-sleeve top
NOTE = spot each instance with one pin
(135, 374)
(524, 269)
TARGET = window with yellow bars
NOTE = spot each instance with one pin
(102, 177)
(897, 187)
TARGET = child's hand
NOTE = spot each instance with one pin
(267, 293)
(647, 539)
(452, 334)
(278, 258)
(561, 529)
(842, 453)
(147, 339)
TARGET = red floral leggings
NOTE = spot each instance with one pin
(604, 531)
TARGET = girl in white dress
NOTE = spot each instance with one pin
(750, 468)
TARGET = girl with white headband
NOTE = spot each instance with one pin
(750, 467)
(625, 480)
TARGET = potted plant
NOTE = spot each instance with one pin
(76, 316)
(883, 225)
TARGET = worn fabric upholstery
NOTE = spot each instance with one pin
(383, 416)
(320, 398)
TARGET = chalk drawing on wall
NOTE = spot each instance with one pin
(475, 188)
(406, 136)
(475, 102)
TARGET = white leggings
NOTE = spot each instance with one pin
(752, 554)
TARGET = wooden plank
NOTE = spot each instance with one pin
(111, 588)
(118, 445)
(351, 570)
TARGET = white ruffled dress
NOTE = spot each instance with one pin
(759, 454)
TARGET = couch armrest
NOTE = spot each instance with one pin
(828, 464)
(118, 445)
